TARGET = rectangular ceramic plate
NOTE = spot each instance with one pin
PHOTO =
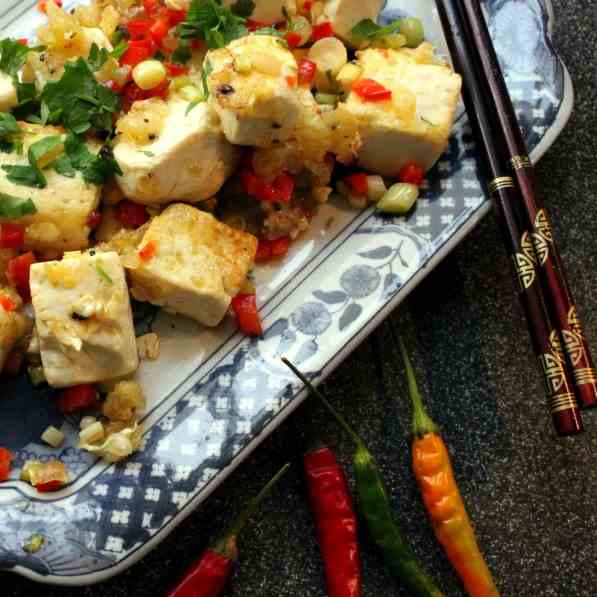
(213, 395)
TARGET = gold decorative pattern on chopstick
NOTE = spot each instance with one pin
(524, 262)
(574, 321)
(560, 397)
(556, 345)
(541, 248)
(562, 402)
(501, 182)
(574, 346)
(521, 161)
(542, 225)
(585, 376)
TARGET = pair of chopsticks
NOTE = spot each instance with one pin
(555, 330)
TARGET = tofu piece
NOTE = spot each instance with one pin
(415, 125)
(83, 319)
(345, 14)
(63, 206)
(13, 324)
(8, 93)
(265, 11)
(188, 161)
(198, 266)
(260, 107)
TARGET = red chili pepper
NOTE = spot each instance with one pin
(358, 181)
(49, 486)
(252, 25)
(159, 30)
(18, 273)
(76, 398)
(94, 219)
(306, 71)
(14, 363)
(336, 522)
(138, 28)
(131, 215)
(148, 251)
(293, 39)
(176, 16)
(5, 459)
(412, 173)
(6, 303)
(371, 90)
(322, 30)
(208, 576)
(138, 51)
(42, 4)
(11, 236)
(244, 306)
(176, 70)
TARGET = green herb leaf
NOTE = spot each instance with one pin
(243, 8)
(42, 147)
(95, 169)
(191, 106)
(12, 207)
(8, 125)
(27, 176)
(149, 154)
(119, 50)
(97, 58)
(64, 166)
(367, 29)
(103, 274)
(182, 54)
(206, 70)
(12, 56)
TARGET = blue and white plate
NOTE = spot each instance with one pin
(214, 395)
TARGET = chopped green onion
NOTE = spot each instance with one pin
(326, 99)
(103, 274)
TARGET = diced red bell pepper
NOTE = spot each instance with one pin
(245, 309)
(412, 173)
(42, 4)
(280, 189)
(76, 398)
(14, 363)
(18, 272)
(49, 486)
(131, 215)
(133, 93)
(138, 28)
(159, 30)
(23, 41)
(290, 80)
(138, 51)
(358, 182)
(371, 91)
(176, 16)
(284, 187)
(94, 219)
(252, 25)
(322, 30)
(11, 236)
(307, 6)
(5, 459)
(6, 303)
(153, 7)
(293, 39)
(148, 251)
(269, 249)
(306, 71)
(176, 70)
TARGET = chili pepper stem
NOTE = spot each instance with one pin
(226, 545)
(341, 420)
(422, 422)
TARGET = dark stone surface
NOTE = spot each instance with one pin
(530, 495)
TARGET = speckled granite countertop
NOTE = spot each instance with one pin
(531, 496)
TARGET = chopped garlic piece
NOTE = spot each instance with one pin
(148, 346)
(52, 436)
(91, 433)
(124, 402)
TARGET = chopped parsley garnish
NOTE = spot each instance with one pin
(192, 105)
(13, 56)
(103, 274)
(182, 54)
(215, 24)
(31, 175)
(98, 57)
(368, 30)
(78, 101)
(206, 70)
(10, 132)
(243, 8)
(12, 207)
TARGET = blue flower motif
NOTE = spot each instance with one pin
(312, 319)
(360, 281)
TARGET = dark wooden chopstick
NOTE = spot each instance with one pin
(551, 269)
(513, 222)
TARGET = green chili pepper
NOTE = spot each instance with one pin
(375, 505)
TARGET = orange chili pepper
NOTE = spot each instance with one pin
(446, 510)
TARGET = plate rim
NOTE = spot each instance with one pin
(90, 578)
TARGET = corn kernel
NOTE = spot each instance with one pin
(191, 93)
(348, 74)
(180, 82)
(242, 64)
(93, 433)
(149, 74)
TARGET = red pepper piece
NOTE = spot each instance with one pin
(130, 214)
(18, 272)
(138, 28)
(307, 6)
(76, 398)
(264, 251)
(176, 16)
(208, 576)
(6, 303)
(176, 70)
(244, 306)
(138, 51)
(284, 187)
(148, 251)
(11, 236)
(371, 91)
(152, 7)
(358, 181)
(252, 25)
(336, 522)
(293, 39)
(322, 30)
(23, 41)
(159, 30)
(42, 4)
(94, 219)
(306, 71)
(5, 459)
(269, 249)
(412, 173)
(49, 486)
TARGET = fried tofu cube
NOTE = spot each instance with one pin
(83, 319)
(192, 263)
(13, 324)
(189, 159)
(8, 93)
(415, 125)
(345, 14)
(63, 206)
(253, 89)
